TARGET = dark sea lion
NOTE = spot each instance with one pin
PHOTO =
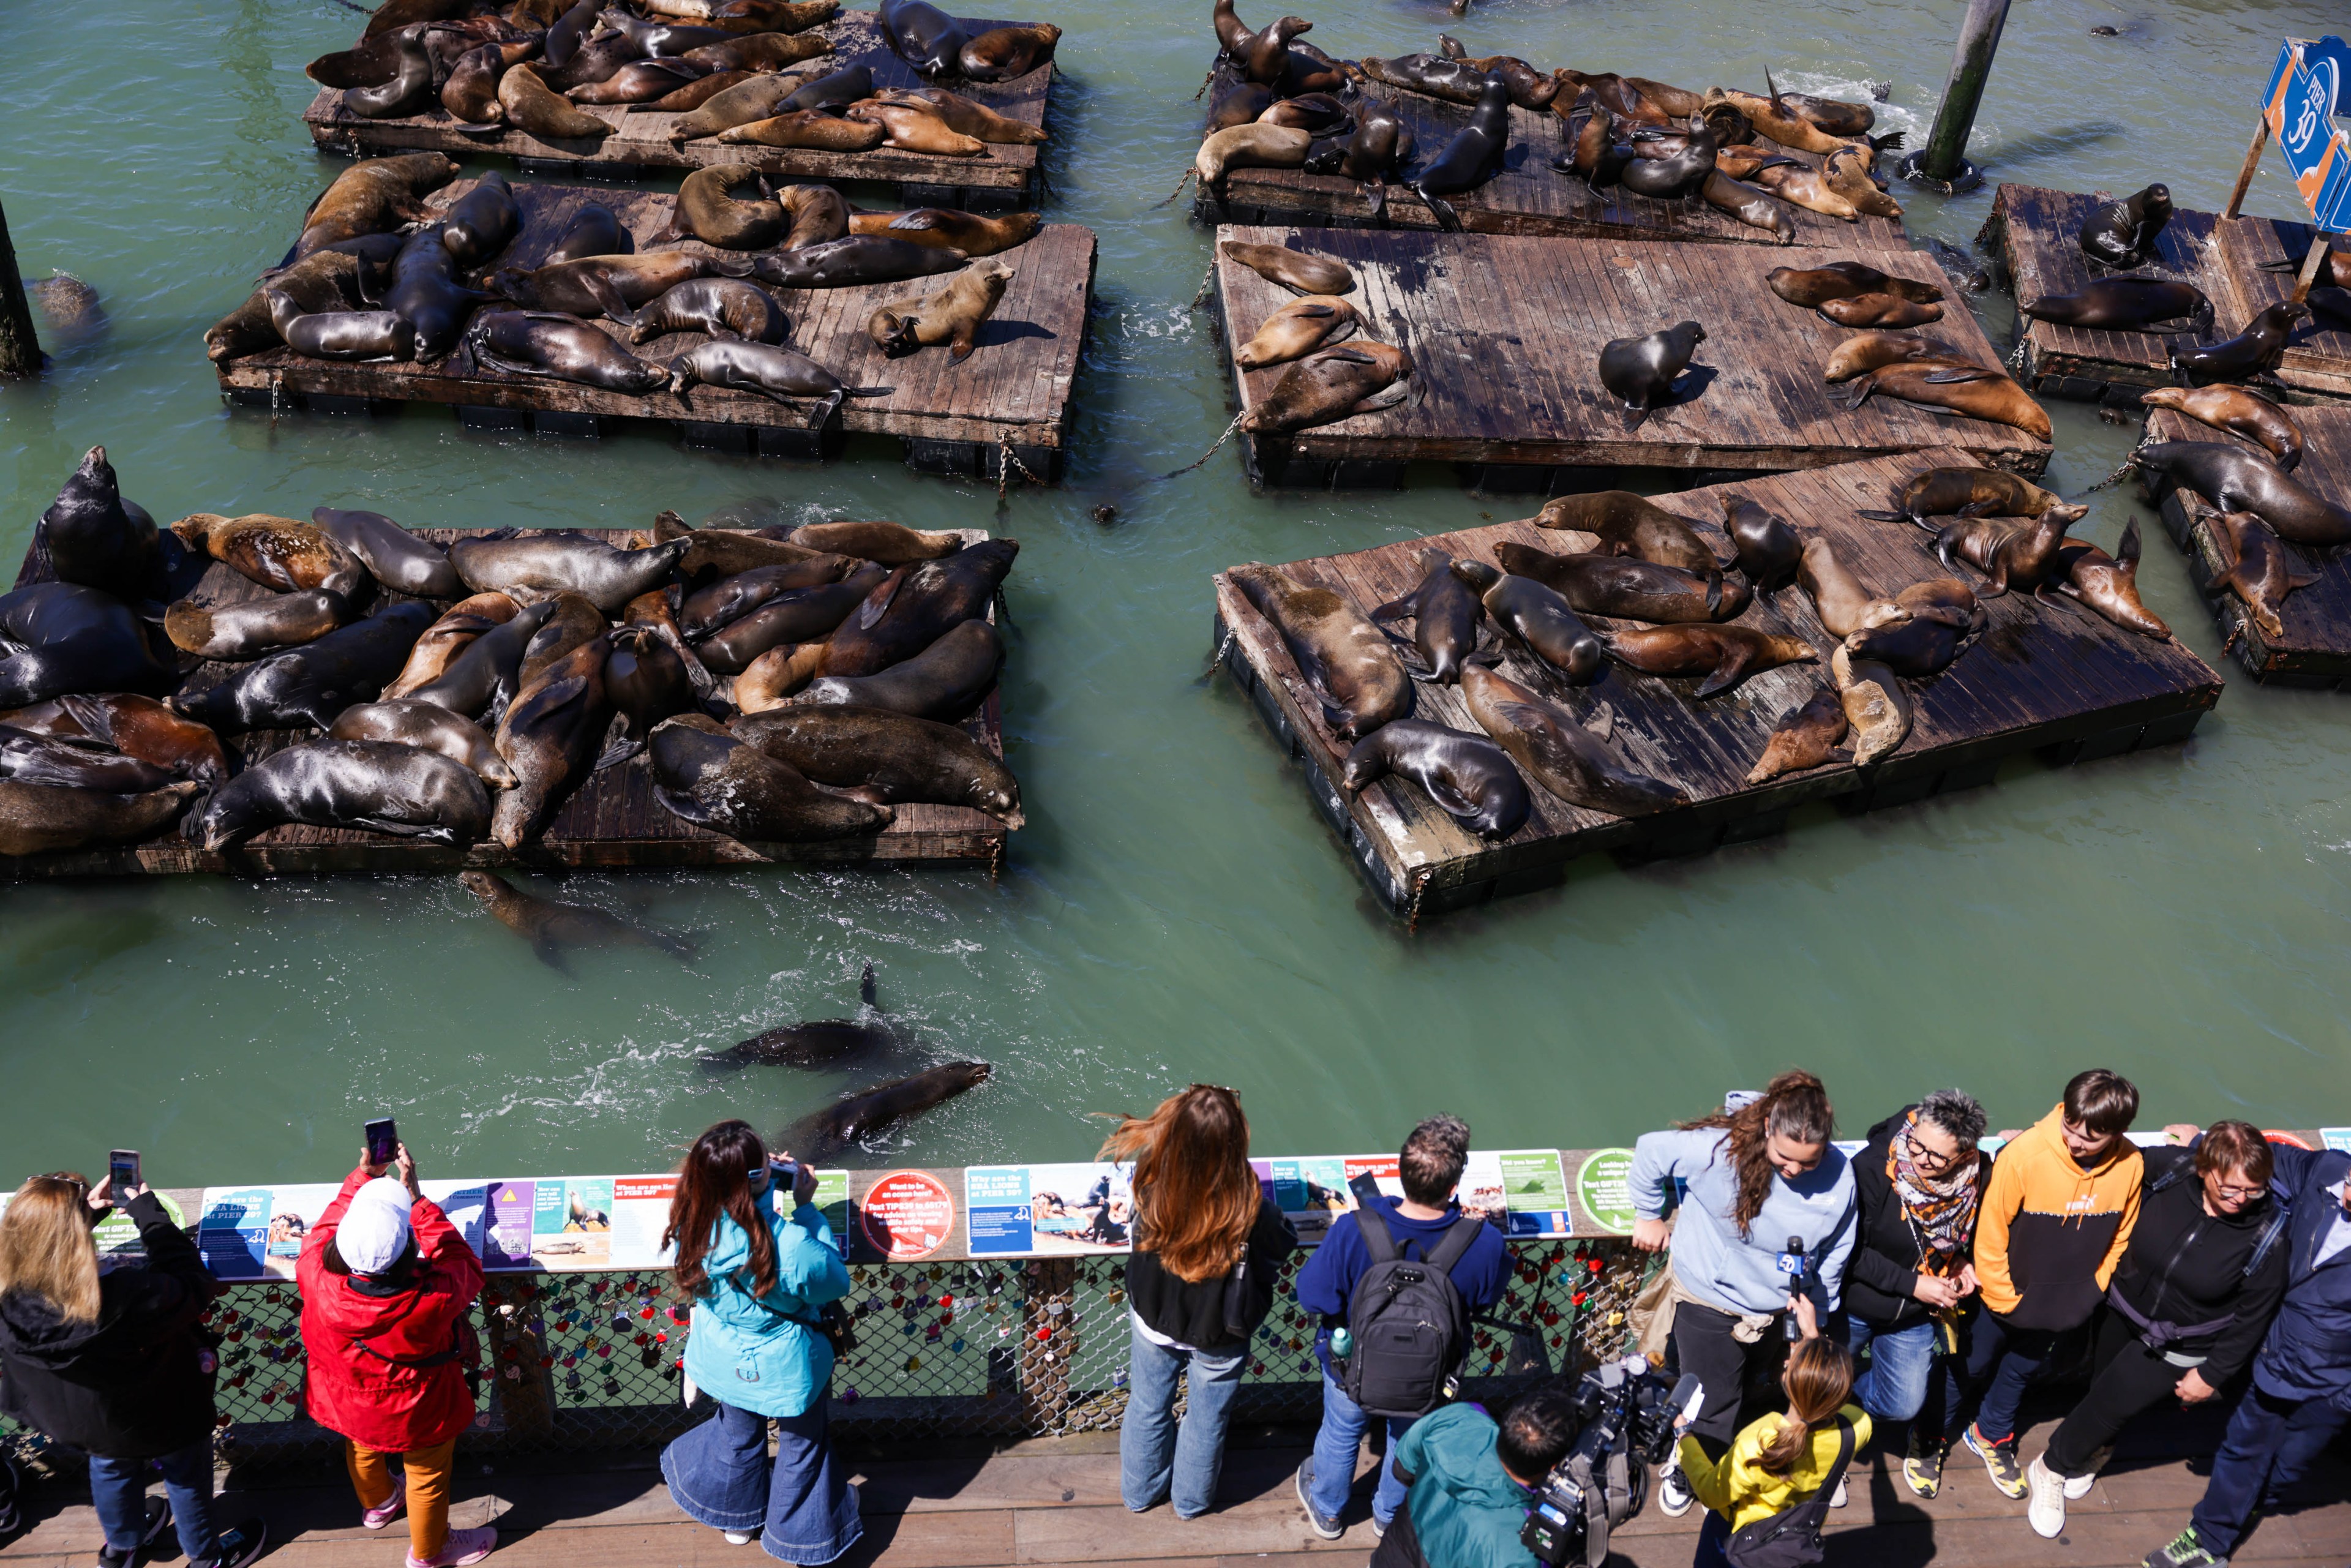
(236, 632)
(1003, 52)
(426, 294)
(2236, 480)
(1543, 623)
(713, 552)
(1769, 550)
(639, 82)
(769, 369)
(1971, 389)
(1630, 523)
(481, 223)
(971, 117)
(827, 1042)
(560, 347)
(721, 306)
(407, 91)
(822, 1135)
(340, 334)
(572, 622)
(1972, 492)
(2258, 349)
(1450, 78)
(645, 678)
(2333, 269)
(1814, 287)
(552, 927)
(280, 553)
(820, 129)
(397, 558)
(585, 287)
(911, 608)
(471, 91)
(924, 36)
(856, 260)
(1529, 88)
(534, 107)
(1381, 145)
(885, 757)
(326, 279)
(973, 234)
(727, 600)
(413, 722)
(1640, 371)
(92, 538)
(891, 544)
(1725, 655)
(37, 818)
(1921, 630)
(1295, 270)
(373, 60)
(1267, 62)
(1867, 351)
(1468, 777)
(1627, 588)
(1238, 103)
(1446, 614)
(60, 637)
(705, 210)
(307, 687)
(551, 736)
(1346, 661)
(1880, 310)
(594, 231)
(1555, 750)
(31, 756)
(1233, 35)
(1320, 114)
(720, 783)
(1296, 329)
(2124, 304)
(946, 681)
(833, 91)
(1807, 737)
(374, 196)
(599, 59)
(541, 565)
(1471, 158)
(482, 679)
(951, 317)
(568, 31)
(2256, 568)
(1332, 385)
(397, 13)
(137, 727)
(2110, 584)
(791, 617)
(377, 785)
(2122, 235)
(1669, 167)
(2234, 409)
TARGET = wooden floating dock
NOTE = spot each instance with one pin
(2316, 648)
(2035, 234)
(1000, 179)
(954, 419)
(1528, 197)
(1505, 332)
(2054, 679)
(611, 823)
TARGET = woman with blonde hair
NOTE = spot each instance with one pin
(1200, 1282)
(116, 1365)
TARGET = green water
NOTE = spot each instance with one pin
(1175, 910)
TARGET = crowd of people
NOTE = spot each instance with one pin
(1818, 1302)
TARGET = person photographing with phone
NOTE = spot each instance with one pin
(388, 1285)
(757, 1261)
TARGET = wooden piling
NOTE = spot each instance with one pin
(1946, 145)
(20, 348)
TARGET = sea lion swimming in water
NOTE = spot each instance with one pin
(1807, 737)
(824, 1043)
(822, 1135)
(1445, 613)
(2258, 349)
(551, 926)
(886, 758)
(1725, 655)
(1468, 777)
(1346, 662)
(372, 784)
(92, 538)
(2122, 235)
(1552, 747)
(2242, 412)
(707, 777)
(37, 818)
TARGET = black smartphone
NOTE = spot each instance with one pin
(382, 1142)
(121, 1172)
(1366, 1187)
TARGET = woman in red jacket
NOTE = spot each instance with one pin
(386, 1285)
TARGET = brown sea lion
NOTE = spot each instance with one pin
(1806, 737)
(538, 109)
(447, 638)
(572, 623)
(1804, 187)
(952, 315)
(816, 214)
(1296, 270)
(280, 553)
(1816, 286)
(639, 82)
(973, 119)
(430, 726)
(1880, 310)
(973, 234)
(551, 926)
(1628, 588)
(1240, 103)
(2129, 304)
(1330, 384)
(1757, 208)
(705, 210)
(695, 94)
(759, 51)
(1973, 492)
(1971, 389)
(1837, 596)
(1319, 113)
(1867, 351)
(374, 196)
(1346, 662)
(916, 128)
(742, 104)
(1003, 52)
(1619, 96)
(1847, 173)
(37, 818)
(886, 758)
(1251, 146)
(772, 16)
(1552, 747)
(323, 280)
(140, 727)
(713, 553)
(647, 679)
(811, 128)
(891, 544)
(1296, 329)
(2235, 410)
(471, 93)
(2110, 584)
(1921, 630)
(254, 627)
(1725, 655)
(1776, 118)
(2256, 567)
(791, 620)
(550, 736)
(1628, 524)
(720, 783)
(2028, 560)
(479, 681)
(1875, 704)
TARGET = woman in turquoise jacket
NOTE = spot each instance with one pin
(757, 1278)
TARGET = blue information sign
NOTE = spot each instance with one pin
(2305, 93)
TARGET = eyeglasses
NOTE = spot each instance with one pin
(2242, 1194)
(1932, 1158)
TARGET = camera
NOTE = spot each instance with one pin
(1625, 1414)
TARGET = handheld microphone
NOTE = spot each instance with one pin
(1799, 1269)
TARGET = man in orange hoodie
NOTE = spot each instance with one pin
(2056, 1215)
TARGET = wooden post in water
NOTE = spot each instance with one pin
(1947, 144)
(20, 351)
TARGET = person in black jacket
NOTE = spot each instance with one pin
(115, 1364)
(1918, 1183)
(2190, 1303)
(1207, 1242)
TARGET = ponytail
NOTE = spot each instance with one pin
(1818, 1379)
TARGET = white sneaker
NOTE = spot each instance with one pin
(1838, 1501)
(2078, 1487)
(1674, 1495)
(2046, 1510)
(738, 1538)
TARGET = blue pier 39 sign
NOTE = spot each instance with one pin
(2306, 92)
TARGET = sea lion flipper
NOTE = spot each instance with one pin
(683, 807)
(551, 955)
(1726, 675)
(1398, 608)
(1960, 373)
(865, 984)
(878, 604)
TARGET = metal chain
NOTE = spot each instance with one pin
(1007, 460)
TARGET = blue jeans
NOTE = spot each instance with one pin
(1901, 1371)
(118, 1489)
(2270, 1446)
(1335, 1445)
(2011, 1358)
(1711, 1537)
(1155, 1458)
(719, 1474)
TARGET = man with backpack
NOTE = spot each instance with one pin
(1396, 1282)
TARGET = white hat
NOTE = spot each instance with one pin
(374, 1231)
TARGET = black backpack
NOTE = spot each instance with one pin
(1791, 1539)
(1410, 1328)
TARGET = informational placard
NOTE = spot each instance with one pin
(1604, 1186)
(256, 1232)
(1311, 1192)
(2337, 1137)
(1046, 1211)
(117, 1236)
(1521, 1192)
(2305, 93)
(906, 1215)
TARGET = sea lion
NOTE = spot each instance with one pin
(828, 1042)
(374, 196)
(540, 565)
(705, 210)
(2028, 560)
(379, 785)
(31, 756)
(425, 293)
(1921, 630)
(1875, 704)
(471, 93)
(60, 637)
(2110, 584)
(600, 58)
(481, 223)
(571, 623)
(2124, 304)
(813, 215)
(137, 727)
(1381, 145)
(2242, 412)
(759, 52)
(1837, 597)
(1725, 655)
(593, 230)
(559, 347)
(1332, 385)
(2333, 267)
(1628, 588)
(1815, 287)
(406, 92)
(1867, 352)
(908, 611)
(1239, 103)
(585, 287)
(834, 91)
(1295, 270)
(1345, 661)
(639, 82)
(1847, 172)
(745, 103)
(1628, 524)
(36, 818)
(771, 15)
(1297, 329)
(891, 544)
(1806, 737)
(340, 334)
(1552, 747)
(278, 553)
(374, 60)
(822, 1135)
(712, 552)
(2255, 567)
(1802, 185)
(695, 94)
(973, 234)
(947, 681)
(248, 630)
(323, 280)
(1640, 371)
(970, 118)
(396, 557)
(1319, 113)
(1546, 626)
(2122, 235)
(1004, 53)
(1757, 208)
(1882, 310)
(398, 14)
(795, 616)
(1529, 88)
(1469, 778)
(91, 536)
(430, 726)
(2258, 349)
(1618, 95)
(854, 259)
(721, 307)
(727, 600)
(1250, 146)
(646, 680)
(1972, 493)
(2236, 480)
(1471, 158)
(886, 758)
(1267, 60)
(1971, 389)
(769, 369)
(1670, 166)
(447, 638)
(481, 680)
(1768, 549)
(1446, 611)
(924, 36)
(1781, 121)
(538, 109)
(550, 736)
(305, 687)
(551, 926)
(717, 782)
(568, 31)
(952, 316)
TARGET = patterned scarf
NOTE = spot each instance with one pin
(1941, 1210)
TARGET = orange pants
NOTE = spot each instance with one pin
(428, 1490)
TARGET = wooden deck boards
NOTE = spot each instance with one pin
(1015, 387)
(1528, 197)
(2316, 648)
(2051, 678)
(1001, 177)
(1506, 332)
(611, 822)
(2036, 235)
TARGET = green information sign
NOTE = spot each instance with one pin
(1603, 1185)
